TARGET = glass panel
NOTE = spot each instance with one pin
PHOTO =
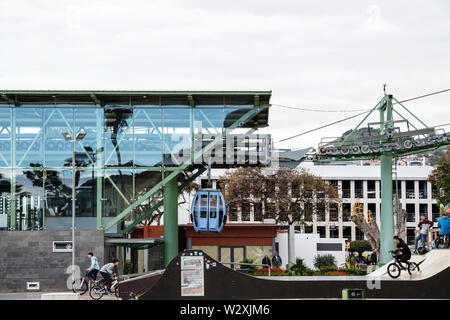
(28, 136)
(5, 137)
(238, 254)
(58, 192)
(203, 205)
(148, 129)
(29, 200)
(143, 182)
(118, 136)
(213, 206)
(87, 150)
(86, 196)
(5, 197)
(58, 151)
(117, 191)
(177, 136)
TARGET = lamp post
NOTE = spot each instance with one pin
(68, 137)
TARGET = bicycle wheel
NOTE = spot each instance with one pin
(413, 267)
(394, 270)
(97, 292)
(80, 286)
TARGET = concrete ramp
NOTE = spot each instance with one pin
(188, 277)
(432, 263)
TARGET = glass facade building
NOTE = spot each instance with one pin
(133, 140)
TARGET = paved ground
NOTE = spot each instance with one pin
(37, 296)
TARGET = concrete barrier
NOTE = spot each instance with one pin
(60, 296)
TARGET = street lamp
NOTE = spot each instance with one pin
(68, 137)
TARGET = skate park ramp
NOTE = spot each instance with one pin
(431, 263)
(218, 282)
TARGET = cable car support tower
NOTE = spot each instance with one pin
(386, 141)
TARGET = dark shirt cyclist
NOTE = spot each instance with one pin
(402, 252)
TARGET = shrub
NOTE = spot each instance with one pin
(300, 268)
(251, 269)
(325, 269)
(327, 260)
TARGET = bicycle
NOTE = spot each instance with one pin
(83, 284)
(440, 242)
(98, 290)
(395, 268)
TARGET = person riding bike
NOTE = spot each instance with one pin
(402, 252)
(107, 271)
(93, 268)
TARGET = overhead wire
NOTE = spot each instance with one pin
(348, 118)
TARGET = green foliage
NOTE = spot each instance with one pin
(360, 246)
(326, 260)
(300, 268)
(354, 271)
(251, 269)
(440, 178)
(325, 269)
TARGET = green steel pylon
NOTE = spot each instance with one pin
(384, 143)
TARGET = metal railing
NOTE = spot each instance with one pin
(247, 264)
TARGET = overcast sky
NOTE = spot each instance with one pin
(329, 55)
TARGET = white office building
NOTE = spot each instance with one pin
(354, 182)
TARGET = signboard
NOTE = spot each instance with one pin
(192, 276)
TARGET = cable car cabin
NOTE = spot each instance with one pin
(208, 211)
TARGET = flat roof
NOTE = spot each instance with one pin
(104, 97)
(144, 98)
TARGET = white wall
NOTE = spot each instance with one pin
(306, 248)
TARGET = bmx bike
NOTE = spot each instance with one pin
(395, 268)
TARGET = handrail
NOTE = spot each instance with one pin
(247, 264)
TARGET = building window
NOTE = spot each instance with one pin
(371, 194)
(372, 207)
(359, 189)
(435, 212)
(346, 212)
(334, 213)
(411, 212)
(423, 190)
(321, 231)
(359, 235)
(347, 233)
(410, 190)
(397, 185)
(345, 189)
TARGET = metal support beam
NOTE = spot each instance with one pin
(149, 211)
(387, 213)
(170, 201)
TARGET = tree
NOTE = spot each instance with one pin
(440, 178)
(288, 196)
(370, 227)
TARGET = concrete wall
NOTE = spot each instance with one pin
(306, 248)
(28, 256)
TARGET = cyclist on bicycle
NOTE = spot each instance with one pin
(402, 252)
(93, 268)
(107, 271)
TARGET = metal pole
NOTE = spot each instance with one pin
(73, 209)
(170, 203)
(387, 214)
